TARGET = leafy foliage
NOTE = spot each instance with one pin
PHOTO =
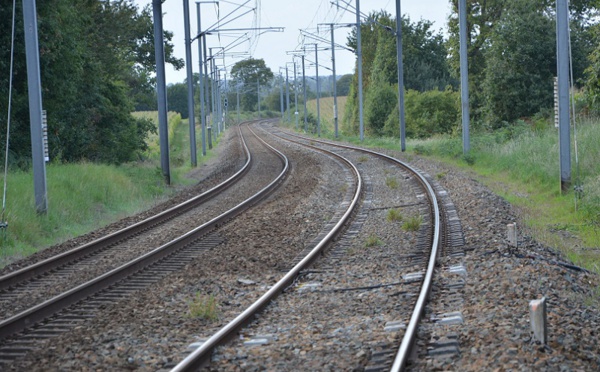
(343, 85)
(381, 100)
(96, 59)
(521, 63)
(427, 114)
(177, 95)
(425, 67)
(250, 73)
(512, 54)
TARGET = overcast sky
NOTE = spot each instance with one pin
(293, 15)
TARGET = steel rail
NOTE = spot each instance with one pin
(202, 354)
(48, 308)
(39, 268)
(411, 330)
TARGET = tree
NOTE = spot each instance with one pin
(251, 73)
(95, 60)
(343, 85)
(177, 98)
(487, 23)
(424, 59)
(520, 64)
(427, 113)
(381, 101)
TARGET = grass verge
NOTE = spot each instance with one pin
(85, 196)
(521, 164)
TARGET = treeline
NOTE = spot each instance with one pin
(244, 75)
(97, 59)
(512, 65)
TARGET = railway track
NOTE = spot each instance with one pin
(435, 231)
(450, 242)
(309, 287)
(52, 316)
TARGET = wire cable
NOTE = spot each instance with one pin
(3, 224)
(578, 187)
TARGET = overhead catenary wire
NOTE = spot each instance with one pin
(3, 223)
(578, 187)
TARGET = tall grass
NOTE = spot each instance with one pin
(85, 196)
(80, 198)
(522, 165)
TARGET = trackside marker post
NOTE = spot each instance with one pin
(537, 313)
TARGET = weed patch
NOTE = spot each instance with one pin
(394, 215)
(391, 182)
(204, 307)
(412, 223)
(372, 241)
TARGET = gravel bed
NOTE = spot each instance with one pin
(335, 316)
(151, 330)
(500, 282)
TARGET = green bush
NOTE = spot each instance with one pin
(469, 158)
(426, 114)
(381, 100)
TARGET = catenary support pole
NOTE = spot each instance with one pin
(564, 124)
(237, 103)
(335, 107)
(464, 74)
(401, 117)
(304, 88)
(190, 82)
(258, 94)
(287, 93)
(219, 104)
(281, 94)
(201, 87)
(359, 71)
(318, 92)
(161, 89)
(208, 85)
(225, 101)
(213, 105)
(295, 96)
(34, 86)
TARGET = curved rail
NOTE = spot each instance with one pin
(72, 255)
(202, 354)
(411, 329)
(42, 311)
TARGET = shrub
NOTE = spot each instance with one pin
(469, 158)
(426, 114)
(380, 102)
(421, 150)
